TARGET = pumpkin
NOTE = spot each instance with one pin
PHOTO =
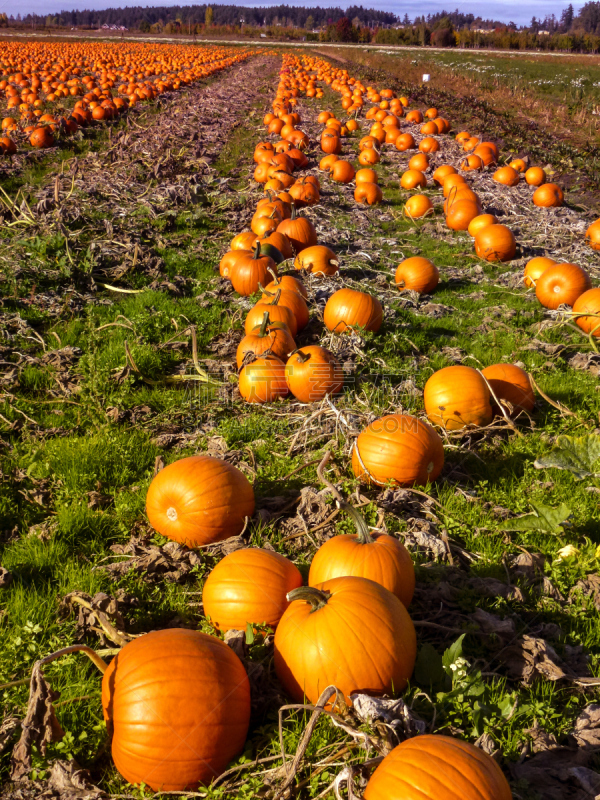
(450, 181)
(317, 259)
(479, 222)
(461, 214)
(369, 157)
(561, 284)
(418, 206)
(428, 128)
(471, 163)
(419, 162)
(368, 143)
(250, 270)
(327, 162)
(294, 301)
(270, 338)
(178, 703)
(548, 195)
(495, 243)
(429, 145)
(413, 179)
(342, 171)
(459, 193)
(377, 557)
(417, 274)
(304, 194)
(588, 303)
(400, 449)
(312, 373)
(348, 632)
(366, 176)
(287, 282)
(508, 176)
(592, 235)
(263, 380)
(230, 259)
(486, 154)
(535, 268)
(243, 241)
(434, 767)
(442, 172)
(249, 586)
(405, 141)
(299, 230)
(518, 164)
(456, 397)
(535, 176)
(331, 142)
(7, 146)
(415, 116)
(280, 241)
(368, 193)
(349, 308)
(42, 137)
(510, 383)
(199, 500)
(277, 313)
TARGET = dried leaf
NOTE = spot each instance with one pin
(531, 657)
(72, 782)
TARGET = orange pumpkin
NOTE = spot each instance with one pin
(366, 176)
(417, 274)
(461, 213)
(535, 176)
(348, 308)
(405, 141)
(508, 176)
(510, 383)
(199, 500)
(592, 235)
(178, 703)
(588, 304)
(456, 397)
(348, 632)
(495, 243)
(442, 172)
(418, 206)
(312, 373)
(317, 259)
(249, 586)
(561, 284)
(535, 268)
(263, 381)
(368, 193)
(433, 767)
(342, 171)
(249, 271)
(548, 195)
(413, 179)
(299, 230)
(419, 162)
(270, 338)
(398, 448)
(479, 222)
(377, 557)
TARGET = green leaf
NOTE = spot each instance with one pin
(452, 653)
(579, 455)
(249, 634)
(429, 670)
(544, 518)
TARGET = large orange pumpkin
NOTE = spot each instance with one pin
(588, 303)
(562, 284)
(399, 449)
(511, 383)
(413, 179)
(495, 243)
(199, 500)
(433, 767)
(317, 259)
(348, 632)
(249, 586)
(178, 703)
(592, 235)
(417, 274)
(535, 268)
(456, 397)
(548, 195)
(268, 339)
(299, 230)
(263, 380)
(348, 308)
(418, 206)
(378, 557)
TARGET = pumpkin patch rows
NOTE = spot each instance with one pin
(391, 570)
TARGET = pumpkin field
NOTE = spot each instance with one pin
(299, 432)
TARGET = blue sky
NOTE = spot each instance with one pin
(519, 12)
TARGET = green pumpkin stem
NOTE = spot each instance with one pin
(302, 357)
(362, 531)
(264, 324)
(316, 597)
(77, 648)
(257, 250)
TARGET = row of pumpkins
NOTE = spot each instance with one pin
(38, 74)
(178, 701)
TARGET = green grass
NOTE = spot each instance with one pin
(93, 453)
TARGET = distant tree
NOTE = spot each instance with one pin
(208, 16)
(3, 20)
(344, 30)
(567, 17)
(406, 20)
(309, 23)
(145, 26)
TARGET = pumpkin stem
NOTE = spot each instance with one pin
(302, 357)
(264, 324)
(316, 597)
(76, 648)
(362, 531)
(275, 299)
(257, 250)
(293, 215)
(276, 280)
